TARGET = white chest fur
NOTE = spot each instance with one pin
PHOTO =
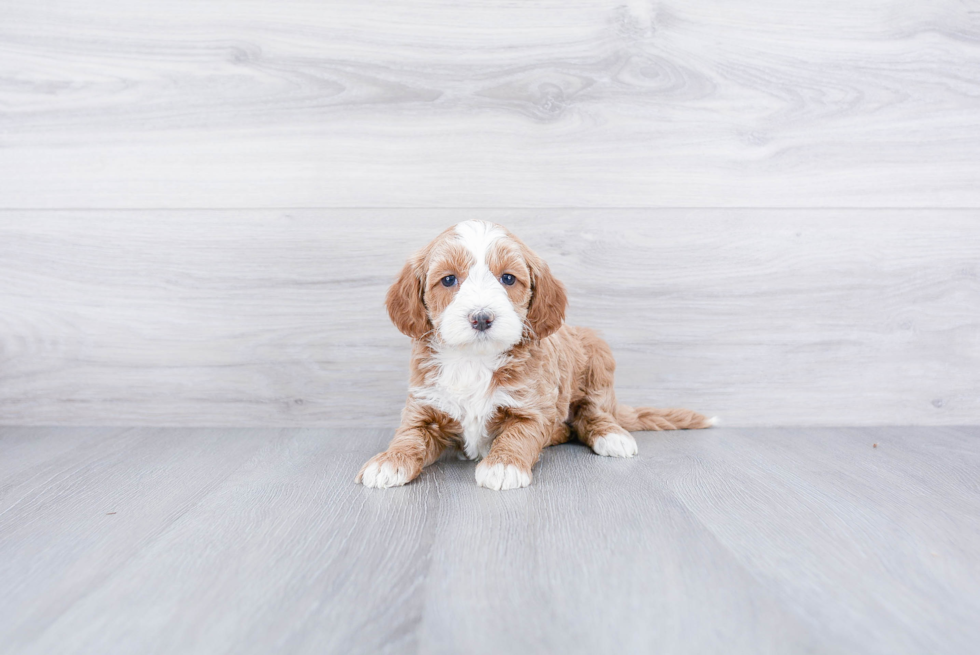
(462, 389)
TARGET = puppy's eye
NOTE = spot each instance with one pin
(507, 279)
(449, 280)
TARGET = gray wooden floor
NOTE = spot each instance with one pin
(157, 540)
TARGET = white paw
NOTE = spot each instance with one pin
(501, 476)
(615, 444)
(384, 475)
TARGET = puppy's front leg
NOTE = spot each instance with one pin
(514, 451)
(420, 439)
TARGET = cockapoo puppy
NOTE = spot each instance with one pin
(495, 373)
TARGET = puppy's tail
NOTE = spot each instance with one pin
(649, 418)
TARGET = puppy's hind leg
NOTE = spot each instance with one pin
(604, 424)
(599, 430)
(608, 432)
(593, 416)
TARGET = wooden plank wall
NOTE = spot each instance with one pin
(275, 316)
(770, 208)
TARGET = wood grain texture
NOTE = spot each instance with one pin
(727, 540)
(780, 317)
(59, 538)
(449, 103)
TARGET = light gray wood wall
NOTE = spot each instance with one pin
(268, 317)
(272, 103)
(149, 273)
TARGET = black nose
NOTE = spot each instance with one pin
(481, 320)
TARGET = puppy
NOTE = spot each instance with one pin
(495, 374)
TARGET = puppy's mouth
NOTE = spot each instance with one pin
(484, 330)
(486, 341)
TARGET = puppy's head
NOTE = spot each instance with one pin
(477, 285)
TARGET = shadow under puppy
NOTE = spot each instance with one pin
(495, 373)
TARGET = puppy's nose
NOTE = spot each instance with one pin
(481, 320)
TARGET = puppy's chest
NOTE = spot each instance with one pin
(464, 388)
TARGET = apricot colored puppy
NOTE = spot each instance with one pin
(495, 373)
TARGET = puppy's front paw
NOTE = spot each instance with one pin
(386, 470)
(501, 476)
(615, 444)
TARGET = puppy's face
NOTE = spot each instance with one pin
(476, 285)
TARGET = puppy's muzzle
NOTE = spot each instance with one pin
(481, 321)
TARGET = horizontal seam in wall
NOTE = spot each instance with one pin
(496, 208)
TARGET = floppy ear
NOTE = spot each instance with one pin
(546, 312)
(404, 301)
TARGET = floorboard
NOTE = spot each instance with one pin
(75, 517)
(745, 540)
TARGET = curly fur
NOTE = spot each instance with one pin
(502, 394)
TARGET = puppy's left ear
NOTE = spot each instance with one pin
(405, 303)
(546, 312)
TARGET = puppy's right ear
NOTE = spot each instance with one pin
(404, 301)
